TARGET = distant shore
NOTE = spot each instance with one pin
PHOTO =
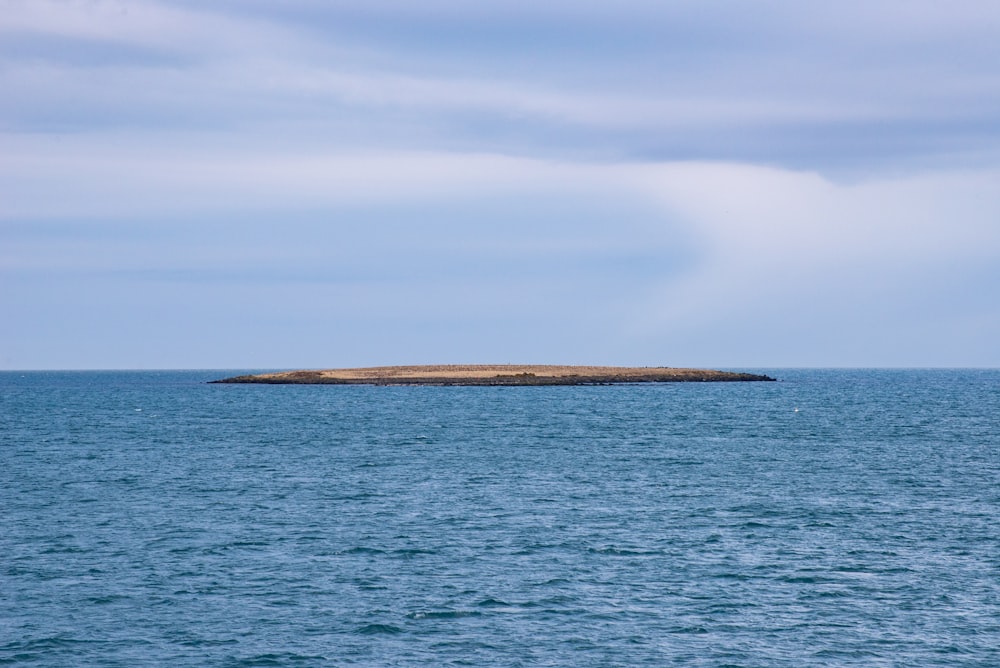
(494, 374)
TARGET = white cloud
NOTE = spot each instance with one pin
(243, 73)
(759, 226)
(140, 23)
(774, 239)
(102, 177)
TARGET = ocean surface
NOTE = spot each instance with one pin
(834, 518)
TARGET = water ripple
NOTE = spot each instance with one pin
(591, 526)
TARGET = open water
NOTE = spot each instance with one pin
(835, 518)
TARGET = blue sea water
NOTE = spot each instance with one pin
(834, 518)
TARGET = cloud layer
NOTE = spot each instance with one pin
(818, 88)
(235, 185)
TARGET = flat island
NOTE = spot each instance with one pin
(495, 374)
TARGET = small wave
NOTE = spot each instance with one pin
(279, 659)
(806, 579)
(830, 593)
(206, 642)
(549, 604)
(309, 537)
(245, 543)
(408, 553)
(28, 650)
(65, 549)
(443, 614)
(362, 550)
(378, 629)
(622, 551)
(689, 629)
(493, 603)
(360, 496)
(856, 569)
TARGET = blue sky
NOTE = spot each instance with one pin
(250, 184)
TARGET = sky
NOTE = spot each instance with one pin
(241, 184)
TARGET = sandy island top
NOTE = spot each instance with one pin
(494, 374)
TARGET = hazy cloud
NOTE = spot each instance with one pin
(644, 182)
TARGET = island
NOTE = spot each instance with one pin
(495, 374)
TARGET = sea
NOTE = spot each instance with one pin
(831, 518)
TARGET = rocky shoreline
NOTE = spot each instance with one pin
(493, 375)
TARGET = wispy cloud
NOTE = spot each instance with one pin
(807, 89)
